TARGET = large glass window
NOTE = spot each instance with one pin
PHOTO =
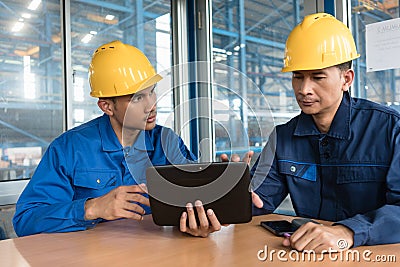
(30, 84)
(248, 43)
(31, 103)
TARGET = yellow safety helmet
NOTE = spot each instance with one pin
(119, 69)
(318, 42)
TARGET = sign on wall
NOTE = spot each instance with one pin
(383, 45)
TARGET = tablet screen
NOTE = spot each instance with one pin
(221, 186)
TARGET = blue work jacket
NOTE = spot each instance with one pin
(87, 162)
(350, 175)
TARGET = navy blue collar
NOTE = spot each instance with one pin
(340, 127)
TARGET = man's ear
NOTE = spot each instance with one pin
(106, 105)
(348, 78)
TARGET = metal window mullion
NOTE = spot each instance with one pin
(204, 72)
(356, 87)
(139, 24)
(180, 71)
(243, 70)
(67, 73)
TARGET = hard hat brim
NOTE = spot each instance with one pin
(145, 84)
(149, 82)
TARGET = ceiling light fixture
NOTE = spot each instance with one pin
(110, 17)
(34, 4)
(87, 38)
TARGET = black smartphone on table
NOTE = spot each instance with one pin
(282, 227)
(279, 228)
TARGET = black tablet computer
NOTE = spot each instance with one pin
(221, 186)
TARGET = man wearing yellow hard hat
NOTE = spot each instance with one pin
(84, 178)
(340, 158)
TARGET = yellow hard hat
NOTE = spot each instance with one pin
(318, 42)
(119, 69)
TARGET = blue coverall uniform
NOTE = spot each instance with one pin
(350, 175)
(87, 162)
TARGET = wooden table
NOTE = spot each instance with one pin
(132, 243)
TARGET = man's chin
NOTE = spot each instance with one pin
(308, 110)
(150, 126)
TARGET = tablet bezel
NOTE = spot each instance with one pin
(233, 207)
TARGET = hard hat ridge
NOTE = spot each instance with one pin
(119, 69)
(318, 42)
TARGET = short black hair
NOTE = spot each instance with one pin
(344, 66)
(113, 99)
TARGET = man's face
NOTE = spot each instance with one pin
(137, 111)
(319, 92)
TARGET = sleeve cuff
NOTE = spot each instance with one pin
(80, 214)
(359, 228)
(259, 211)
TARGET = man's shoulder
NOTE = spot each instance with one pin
(88, 124)
(360, 104)
(83, 129)
(291, 124)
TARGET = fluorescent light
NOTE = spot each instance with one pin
(216, 49)
(26, 16)
(17, 26)
(29, 79)
(93, 32)
(110, 17)
(220, 71)
(87, 38)
(34, 4)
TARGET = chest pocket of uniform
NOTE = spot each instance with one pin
(306, 171)
(361, 174)
(93, 183)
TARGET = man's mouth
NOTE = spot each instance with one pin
(151, 118)
(307, 102)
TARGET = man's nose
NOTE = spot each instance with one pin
(305, 86)
(150, 104)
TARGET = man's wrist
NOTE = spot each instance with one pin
(89, 210)
(348, 234)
